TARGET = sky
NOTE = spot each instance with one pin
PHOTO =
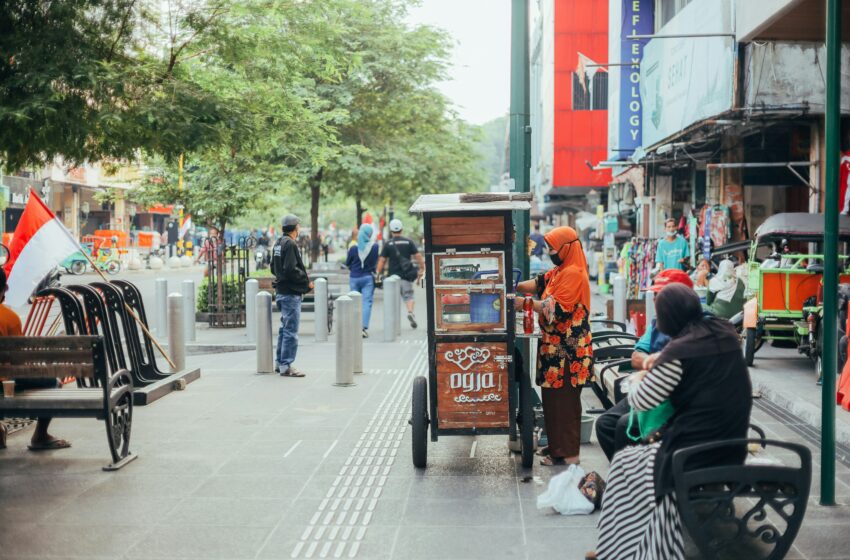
(479, 83)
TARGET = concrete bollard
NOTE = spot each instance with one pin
(263, 314)
(320, 301)
(650, 307)
(176, 340)
(161, 306)
(619, 283)
(357, 323)
(402, 309)
(189, 310)
(345, 341)
(392, 295)
(252, 288)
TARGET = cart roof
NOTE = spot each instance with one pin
(452, 203)
(800, 225)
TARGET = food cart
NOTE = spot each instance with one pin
(470, 282)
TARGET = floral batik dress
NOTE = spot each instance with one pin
(565, 354)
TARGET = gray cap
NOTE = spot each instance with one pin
(290, 221)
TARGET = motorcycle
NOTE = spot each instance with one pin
(261, 257)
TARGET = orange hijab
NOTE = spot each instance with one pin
(569, 283)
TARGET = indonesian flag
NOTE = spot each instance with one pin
(186, 226)
(40, 243)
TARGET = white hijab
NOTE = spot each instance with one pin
(725, 282)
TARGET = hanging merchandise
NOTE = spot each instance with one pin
(640, 261)
(721, 225)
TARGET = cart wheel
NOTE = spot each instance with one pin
(419, 422)
(750, 346)
(526, 429)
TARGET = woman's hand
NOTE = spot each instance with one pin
(649, 361)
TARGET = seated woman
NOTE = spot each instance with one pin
(703, 374)
(725, 291)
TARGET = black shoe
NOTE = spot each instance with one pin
(412, 320)
(365, 333)
(277, 368)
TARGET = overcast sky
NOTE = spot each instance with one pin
(481, 68)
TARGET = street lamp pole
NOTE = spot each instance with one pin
(830, 241)
(520, 135)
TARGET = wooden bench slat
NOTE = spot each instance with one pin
(12, 343)
(33, 371)
(27, 356)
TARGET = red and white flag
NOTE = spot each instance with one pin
(40, 243)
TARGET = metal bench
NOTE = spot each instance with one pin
(108, 397)
(749, 511)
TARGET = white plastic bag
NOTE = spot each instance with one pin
(563, 494)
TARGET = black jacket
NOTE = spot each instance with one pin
(288, 268)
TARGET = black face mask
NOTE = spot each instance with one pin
(556, 259)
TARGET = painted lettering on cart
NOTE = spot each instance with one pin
(465, 358)
(474, 383)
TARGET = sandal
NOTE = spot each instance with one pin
(542, 452)
(549, 461)
(291, 372)
(49, 445)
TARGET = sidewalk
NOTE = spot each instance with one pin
(244, 466)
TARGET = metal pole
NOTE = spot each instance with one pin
(189, 310)
(161, 306)
(320, 300)
(830, 244)
(176, 340)
(263, 319)
(619, 298)
(650, 307)
(391, 297)
(252, 288)
(345, 341)
(520, 133)
(357, 322)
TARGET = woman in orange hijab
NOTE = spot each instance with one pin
(565, 357)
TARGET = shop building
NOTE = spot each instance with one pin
(568, 103)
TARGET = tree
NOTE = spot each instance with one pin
(81, 79)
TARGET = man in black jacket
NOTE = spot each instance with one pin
(291, 283)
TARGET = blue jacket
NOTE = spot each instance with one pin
(356, 269)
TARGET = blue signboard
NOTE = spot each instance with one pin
(637, 19)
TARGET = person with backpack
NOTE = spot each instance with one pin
(399, 252)
(291, 283)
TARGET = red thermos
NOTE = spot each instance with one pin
(528, 315)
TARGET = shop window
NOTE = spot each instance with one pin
(599, 91)
(665, 10)
(581, 97)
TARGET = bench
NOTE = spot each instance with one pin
(749, 511)
(99, 394)
(610, 351)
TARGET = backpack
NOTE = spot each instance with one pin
(407, 270)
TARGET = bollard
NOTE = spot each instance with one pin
(392, 295)
(189, 310)
(619, 283)
(320, 301)
(263, 315)
(357, 322)
(399, 305)
(345, 342)
(161, 306)
(650, 308)
(252, 288)
(176, 340)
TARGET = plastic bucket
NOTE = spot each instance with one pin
(485, 308)
(586, 427)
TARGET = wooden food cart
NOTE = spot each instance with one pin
(470, 283)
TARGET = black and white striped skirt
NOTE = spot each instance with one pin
(633, 526)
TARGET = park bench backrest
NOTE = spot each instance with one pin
(55, 356)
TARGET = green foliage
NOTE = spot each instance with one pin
(491, 148)
(231, 288)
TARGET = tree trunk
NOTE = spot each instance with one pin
(358, 204)
(315, 190)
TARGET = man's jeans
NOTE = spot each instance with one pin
(366, 286)
(287, 336)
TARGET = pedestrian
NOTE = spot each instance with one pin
(672, 251)
(10, 325)
(565, 355)
(612, 425)
(725, 296)
(397, 253)
(291, 283)
(539, 242)
(702, 373)
(361, 262)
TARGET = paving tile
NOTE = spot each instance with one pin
(191, 541)
(463, 513)
(250, 487)
(89, 541)
(103, 511)
(458, 543)
(228, 512)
